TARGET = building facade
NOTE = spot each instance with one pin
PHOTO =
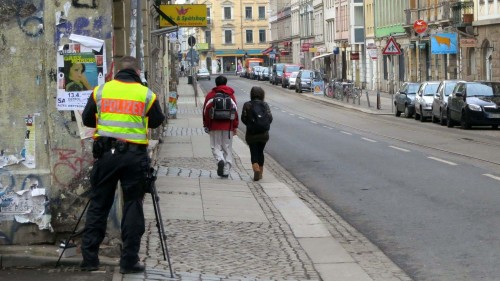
(47, 155)
(236, 30)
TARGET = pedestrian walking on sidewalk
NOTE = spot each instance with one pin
(122, 110)
(221, 129)
(256, 115)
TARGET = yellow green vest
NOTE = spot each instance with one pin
(121, 111)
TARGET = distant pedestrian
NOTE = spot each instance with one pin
(221, 130)
(182, 70)
(256, 115)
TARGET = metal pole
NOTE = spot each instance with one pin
(138, 38)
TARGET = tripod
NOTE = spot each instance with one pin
(151, 188)
(159, 221)
(73, 233)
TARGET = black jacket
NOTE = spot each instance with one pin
(155, 114)
(245, 117)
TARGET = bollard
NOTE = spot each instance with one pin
(368, 99)
(378, 101)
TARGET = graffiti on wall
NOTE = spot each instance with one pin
(70, 166)
(83, 26)
(27, 13)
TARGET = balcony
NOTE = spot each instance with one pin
(433, 15)
(462, 14)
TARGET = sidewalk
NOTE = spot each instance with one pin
(236, 229)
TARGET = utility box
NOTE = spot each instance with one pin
(190, 79)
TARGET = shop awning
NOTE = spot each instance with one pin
(268, 50)
(321, 56)
(238, 52)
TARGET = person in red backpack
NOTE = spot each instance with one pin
(221, 131)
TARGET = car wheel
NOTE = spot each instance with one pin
(397, 113)
(422, 118)
(417, 117)
(449, 122)
(433, 118)
(442, 120)
(464, 121)
(407, 112)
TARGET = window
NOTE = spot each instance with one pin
(249, 37)
(208, 16)
(248, 13)
(262, 12)
(228, 37)
(227, 13)
(262, 36)
(208, 38)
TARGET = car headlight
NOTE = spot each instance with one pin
(474, 107)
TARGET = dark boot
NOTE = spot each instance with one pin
(256, 171)
(136, 268)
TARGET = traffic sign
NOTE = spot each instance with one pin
(420, 26)
(392, 48)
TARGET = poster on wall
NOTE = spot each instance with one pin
(28, 152)
(81, 66)
(444, 43)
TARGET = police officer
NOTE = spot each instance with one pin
(121, 110)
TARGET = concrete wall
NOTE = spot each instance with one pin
(45, 193)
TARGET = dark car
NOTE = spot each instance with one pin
(404, 99)
(305, 79)
(440, 102)
(277, 72)
(287, 71)
(255, 72)
(264, 74)
(474, 104)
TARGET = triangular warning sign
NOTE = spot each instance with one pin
(392, 48)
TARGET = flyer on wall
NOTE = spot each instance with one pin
(80, 68)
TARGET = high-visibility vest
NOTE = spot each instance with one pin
(121, 111)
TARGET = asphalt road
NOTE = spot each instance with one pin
(427, 195)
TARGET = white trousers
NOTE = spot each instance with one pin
(221, 143)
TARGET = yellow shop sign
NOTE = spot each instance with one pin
(184, 15)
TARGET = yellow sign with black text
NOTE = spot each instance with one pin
(184, 15)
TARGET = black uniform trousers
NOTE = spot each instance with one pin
(257, 152)
(130, 168)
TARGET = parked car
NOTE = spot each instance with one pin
(404, 99)
(202, 73)
(277, 72)
(305, 79)
(287, 71)
(264, 74)
(424, 98)
(255, 72)
(474, 104)
(440, 101)
(292, 79)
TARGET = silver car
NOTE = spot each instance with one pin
(202, 74)
(292, 79)
(424, 98)
(440, 102)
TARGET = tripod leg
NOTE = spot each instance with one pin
(72, 233)
(161, 229)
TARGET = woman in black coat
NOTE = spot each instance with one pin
(256, 138)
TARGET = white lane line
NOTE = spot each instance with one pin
(370, 140)
(291, 114)
(492, 176)
(301, 118)
(399, 148)
(313, 122)
(444, 161)
(347, 133)
(283, 111)
(326, 127)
